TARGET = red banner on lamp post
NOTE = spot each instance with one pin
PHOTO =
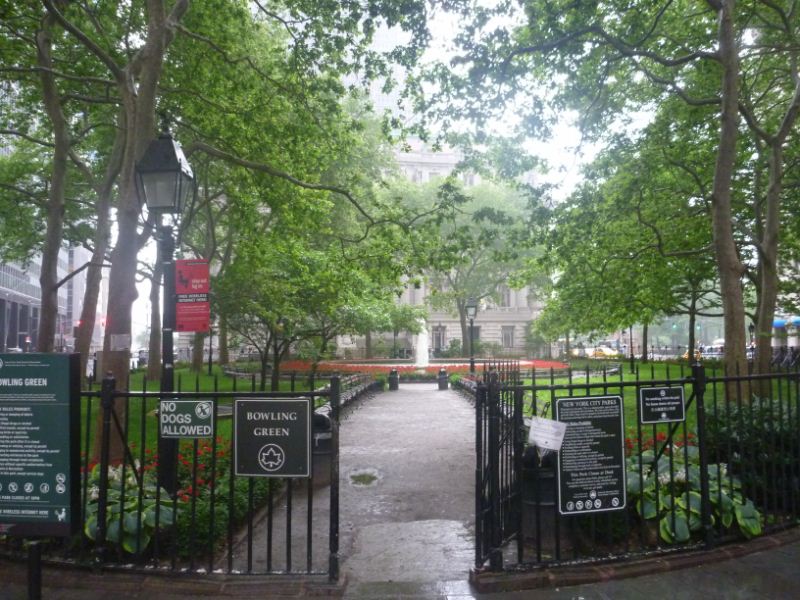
(192, 308)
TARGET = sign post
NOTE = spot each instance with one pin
(591, 462)
(39, 450)
(273, 437)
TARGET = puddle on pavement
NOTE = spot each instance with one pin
(364, 477)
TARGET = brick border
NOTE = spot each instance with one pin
(547, 577)
(117, 581)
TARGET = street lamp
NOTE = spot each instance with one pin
(471, 308)
(630, 338)
(164, 181)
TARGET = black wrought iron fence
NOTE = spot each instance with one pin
(214, 521)
(498, 446)
(723, 467)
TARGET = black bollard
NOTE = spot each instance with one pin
(442, 379)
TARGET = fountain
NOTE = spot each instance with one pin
(421, 358)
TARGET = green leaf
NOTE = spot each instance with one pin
(646, 508)
(748, 519)
(166, 516)
(149, 517)
(90, 528)
(129, 522)
(112, 533)
(129, 542)
(677, 535)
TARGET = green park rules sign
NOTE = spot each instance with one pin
(39, 444)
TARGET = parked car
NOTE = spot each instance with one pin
(603, 352)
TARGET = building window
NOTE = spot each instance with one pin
(508, 336)
(505, 296)
(476, 332)
(439, 337)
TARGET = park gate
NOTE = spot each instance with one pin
(498, 445)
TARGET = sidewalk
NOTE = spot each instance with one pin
(407, 504)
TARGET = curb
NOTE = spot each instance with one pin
(552, 577)
(118, 583)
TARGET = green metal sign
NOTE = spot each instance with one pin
(186, 419)
(39, 444)
(273, 437)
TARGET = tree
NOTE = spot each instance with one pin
(610, 58)
(479, 249)
(628, 246)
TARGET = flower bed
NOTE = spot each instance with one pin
(384, 368)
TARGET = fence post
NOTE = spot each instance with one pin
(107, 404)
(333, 559)
(495, 552)
(699, 384)
(519, 450)
(480, 407)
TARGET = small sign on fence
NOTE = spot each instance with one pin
(39, 444)
(546, 433)
(591, 462)
(662, 405)
(273, 437)
(186, 419)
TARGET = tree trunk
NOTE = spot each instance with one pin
(94, 277)
(101, 240)
(198, 344)
(728, 263)
(222, 342)
(368, 345)
(154, 343)
(644, 342)
(275, 378)
(48, 276)
(768, 256)
(264, 356)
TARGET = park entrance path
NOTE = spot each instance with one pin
(407, 465)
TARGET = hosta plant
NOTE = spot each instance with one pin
(668, 492)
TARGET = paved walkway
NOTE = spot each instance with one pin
(407, 473)
(412, 524)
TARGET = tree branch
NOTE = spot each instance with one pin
(101, 54)
(25, 136)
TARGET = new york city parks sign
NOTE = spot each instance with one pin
(273, 437)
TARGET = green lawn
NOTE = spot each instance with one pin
(644, 374)
(610, 385)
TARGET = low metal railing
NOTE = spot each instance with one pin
(729, 470)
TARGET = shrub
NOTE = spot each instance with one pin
(759, 442)
(670, 495)
(131, 523)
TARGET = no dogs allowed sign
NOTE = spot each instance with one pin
(273, 437)
(186, 419)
